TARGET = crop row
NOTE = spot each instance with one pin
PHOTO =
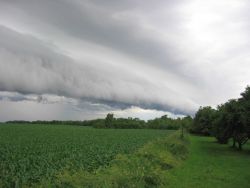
(31, 153)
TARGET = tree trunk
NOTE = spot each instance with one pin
(234, 142)
(240, 145)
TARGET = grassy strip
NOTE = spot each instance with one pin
(212, 165)
(146, 168)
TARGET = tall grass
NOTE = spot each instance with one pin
(145, 168)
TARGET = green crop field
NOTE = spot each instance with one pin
(30, 153)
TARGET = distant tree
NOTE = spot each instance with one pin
(109, 120)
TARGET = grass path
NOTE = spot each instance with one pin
(211, 165)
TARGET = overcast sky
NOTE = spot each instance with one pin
(80, 59)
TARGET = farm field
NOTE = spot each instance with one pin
(30, 153)
(211, 165)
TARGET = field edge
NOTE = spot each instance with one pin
(147, 167)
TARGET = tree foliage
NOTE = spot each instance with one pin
(230, 120)
(163, 122)
(202, 121)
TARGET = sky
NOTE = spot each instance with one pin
(82, 59)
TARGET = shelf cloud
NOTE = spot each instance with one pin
(95, 56)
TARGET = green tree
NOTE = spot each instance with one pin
(109, 120)
(203, 121)
(245, 103)
(227, 122)
(244, 112)
(231, 122)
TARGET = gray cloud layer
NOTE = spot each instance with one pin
(38, 69)
(164, 55)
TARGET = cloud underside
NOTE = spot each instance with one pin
(28, 66)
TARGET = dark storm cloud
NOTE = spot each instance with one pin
(12, 97)
(36, 69)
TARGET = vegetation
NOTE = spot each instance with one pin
(53, 122)
(80, 156)
(211, 165)
(147, 167)
(29, 154)
(119, 123)
(229, 120)
(168, 123)
(202, 121)
(110, 121)
(163, 122)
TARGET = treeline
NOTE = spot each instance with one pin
(110, 121)
(163, 122)
(166, 122)
(52, 122)
(230, 120)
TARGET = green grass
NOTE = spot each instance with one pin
(79, 156)
(211, 165)
(146, 168)
(30, 153)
